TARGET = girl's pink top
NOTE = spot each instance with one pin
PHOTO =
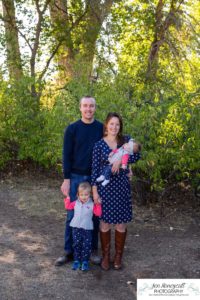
(70, 205)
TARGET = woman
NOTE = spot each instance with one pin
(116, 196)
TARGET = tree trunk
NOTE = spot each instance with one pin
(12, 42)
(161, 28)
(78, 35)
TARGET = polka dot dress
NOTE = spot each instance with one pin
(116, 195)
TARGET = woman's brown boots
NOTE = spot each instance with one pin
(105, 246)
(120, 238)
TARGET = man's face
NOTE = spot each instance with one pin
(87, 108)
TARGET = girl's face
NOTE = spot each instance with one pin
(113, 126)
(84, 195)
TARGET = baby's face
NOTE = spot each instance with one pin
(135, 147)
(84, 195)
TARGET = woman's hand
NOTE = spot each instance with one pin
(116, 166)
(95, 195)
(96, 198)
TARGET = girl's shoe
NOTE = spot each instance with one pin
(76, 265)
(85, 266)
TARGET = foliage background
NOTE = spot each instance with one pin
(145, 65)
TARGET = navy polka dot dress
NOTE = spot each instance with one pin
(116, 195)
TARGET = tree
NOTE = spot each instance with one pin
(14, 62)
(163, 21)
(71, 36)
(77, 25)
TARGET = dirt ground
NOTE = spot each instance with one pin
(31, 238)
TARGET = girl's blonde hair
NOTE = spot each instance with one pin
(84, 186)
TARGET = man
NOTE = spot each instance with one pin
(79, 140)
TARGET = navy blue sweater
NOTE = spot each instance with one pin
(79, 140)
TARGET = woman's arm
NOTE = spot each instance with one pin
(95, 195)
(96, 161)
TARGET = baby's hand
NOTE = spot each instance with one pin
(126, 147)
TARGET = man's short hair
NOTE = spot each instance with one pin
(87, 97)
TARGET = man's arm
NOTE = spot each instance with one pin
(67, 158)
(65, 187)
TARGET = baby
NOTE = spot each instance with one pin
(118, 154)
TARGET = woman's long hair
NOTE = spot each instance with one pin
(120, 138)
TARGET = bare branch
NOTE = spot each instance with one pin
(181, 2)
(18, 30)
(174, 52)
(178, 54)
(60, 8)
(45, 6)
(161, 29)
(37, 35)
(49, 61)
(76, 23)
(37, 6)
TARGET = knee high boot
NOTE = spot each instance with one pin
(105, 246)
(120, 238)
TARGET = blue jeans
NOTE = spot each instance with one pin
(75, 179)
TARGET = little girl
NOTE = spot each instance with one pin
(82, 225)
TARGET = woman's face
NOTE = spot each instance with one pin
(113, 126)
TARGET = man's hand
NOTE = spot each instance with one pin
(116, 166)
(65, 187)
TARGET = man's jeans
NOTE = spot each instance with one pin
(75, 179)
